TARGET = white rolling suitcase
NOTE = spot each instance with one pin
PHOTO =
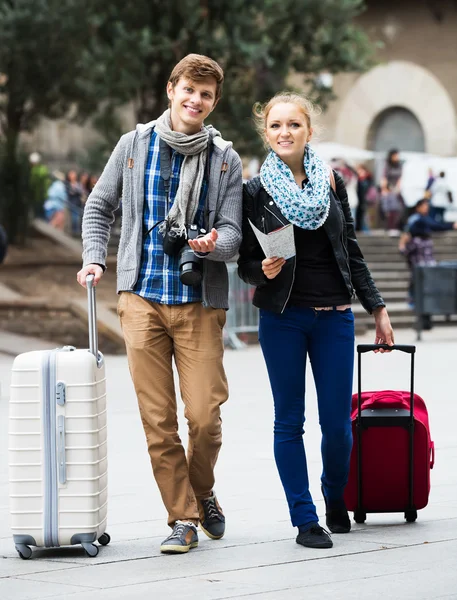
(58, 446)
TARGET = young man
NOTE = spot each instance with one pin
(441, 197)
(178, 179)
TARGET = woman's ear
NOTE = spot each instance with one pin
(310, 135)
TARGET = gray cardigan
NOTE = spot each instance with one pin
(123, 176)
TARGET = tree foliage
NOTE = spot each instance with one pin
(41, 74)
(258, 43)
(76, 58)
(41, 66)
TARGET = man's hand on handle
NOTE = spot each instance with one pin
(96, 270)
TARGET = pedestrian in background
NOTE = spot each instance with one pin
(92, 181)
(350, 179)
(392, 202)
(83, 181)
(39, 182)
(367, 196)
(75, 202)
(416, 245)
(441, 197)
(176, 177)
(305, 307)
(56, 201)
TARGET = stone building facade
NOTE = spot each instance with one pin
(409, 99)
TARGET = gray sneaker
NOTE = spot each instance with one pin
(182, 538)
(212, 520)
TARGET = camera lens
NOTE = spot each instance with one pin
(190, 267)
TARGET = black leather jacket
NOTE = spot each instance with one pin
(273, 294)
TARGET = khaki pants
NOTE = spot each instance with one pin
(154, 333)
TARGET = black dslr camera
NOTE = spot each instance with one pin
(190, 266)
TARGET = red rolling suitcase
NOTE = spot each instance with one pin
(392, 452)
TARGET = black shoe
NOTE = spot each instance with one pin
(182, 539)
(212, 520)
(336, 516)
(314, 537)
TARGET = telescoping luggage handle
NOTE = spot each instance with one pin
(361, 349)
(92, 315)
(409, 349)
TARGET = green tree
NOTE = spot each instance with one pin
(259, 44)
(76, 58)
(41, 74)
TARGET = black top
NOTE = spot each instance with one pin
(318, 280)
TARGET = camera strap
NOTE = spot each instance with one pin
(165, 171)
(165, 166)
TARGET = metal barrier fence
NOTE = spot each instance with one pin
(242, 316)
(435, 291)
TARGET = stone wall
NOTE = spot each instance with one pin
(55, 324)
(416, 70)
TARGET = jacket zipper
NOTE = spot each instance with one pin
(347, 262)
(275, 216)
(291, 286)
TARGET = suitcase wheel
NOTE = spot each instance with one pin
(411, 515)
(25, 552)
(91, 549)
(104, 539)
(360, 516)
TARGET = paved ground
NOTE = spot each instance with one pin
(258, 558)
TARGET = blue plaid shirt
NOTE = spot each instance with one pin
(158, 280)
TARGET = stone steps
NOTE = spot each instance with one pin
(391, 275)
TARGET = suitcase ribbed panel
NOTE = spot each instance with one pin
(26, 447)
(77, 482)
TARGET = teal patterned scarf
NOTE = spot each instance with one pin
(308, 207)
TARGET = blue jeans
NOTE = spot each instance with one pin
(286, 340)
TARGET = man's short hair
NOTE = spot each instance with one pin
(197, 67)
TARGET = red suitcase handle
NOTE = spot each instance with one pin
(390, 397)
(432, 454)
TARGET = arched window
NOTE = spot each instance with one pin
(396, 127)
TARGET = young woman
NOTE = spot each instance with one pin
(305, 307)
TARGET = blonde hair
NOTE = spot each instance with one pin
(262, 110)
(197, 67)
